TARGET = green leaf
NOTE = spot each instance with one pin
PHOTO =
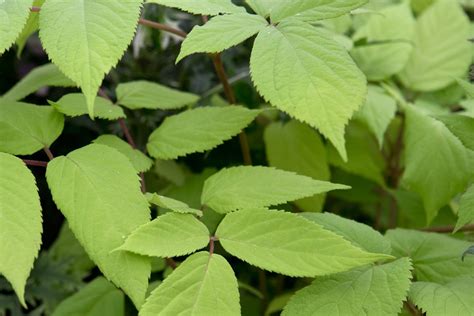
(74, 104)
(377, 290)
(221, 33)
(198, 130)
(27, 128)
(98, 298)
(310, 10)
(98, 191)
(243, 187)
(364, 155)
(461, 126)
(203, 285)
(466, 208)
(298, 148)
(140, 161)
(13, 16)
(31, 26)
(436, 258)
(377, 112)
(86, 38)
(172, 204)
(42, 76)
(262, 7)
(201, 7)
(428, 174)
(442, 51)
(169, 235)
(389, 36)
(20, 227)
(360, 235)
(289, 244)
(467, 86)
(149, 95)
(301, 70)
(453, 298)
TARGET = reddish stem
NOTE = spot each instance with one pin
(48, 153)
(35, 163)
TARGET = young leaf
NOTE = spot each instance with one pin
(360, 235)
(461, 126)
(244, 187)
(377, 290)
(467, 87)
(74, 104)
(172, 204)
(20, 224)
(436, 258)
(13, 16)
(201, 7)
(441, 52)
(98, 298)
(436, 178)
(221, 33)
(27, 128)
(301, 70)
(298, 148)
(377, 113)
(86, 38)
(466, 208)
(140, 161)
(203, 285)
(198, 130)
(289, 244)
(98, 191)
(389, 36)
(168, 235)
(149, 95)
(311, 11)
(453, 298)
(42, 76)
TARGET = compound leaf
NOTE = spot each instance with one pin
(98, 191)
(203, 285)
(20, 225)
(168, 235)
(289, 244)
(242, 187)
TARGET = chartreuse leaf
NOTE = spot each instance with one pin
(172, 204)
(98, 298)
(31, 26)
(453, 298)
(441, 51)
(202, 7)
(301, 70)
(436, 178)
(149, 95)
(203, 285)
(461, 126)
(289, 244)
(468, 87)
(298, 148)
(198, 130)
(360, 235)
(466, 208)
(98, 191)
(377, 112)
(244, 187)
(20, 224)
(74, 104)
(221, 33)
(389, 36)
(262, 7)
(310, 10)
(168, 235)
(13, 16)
(86, 38)
(46, 75)
(436, 258)
(140, 161)
(27, 128)
(376, 290)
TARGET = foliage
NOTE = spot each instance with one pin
(129, 185)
